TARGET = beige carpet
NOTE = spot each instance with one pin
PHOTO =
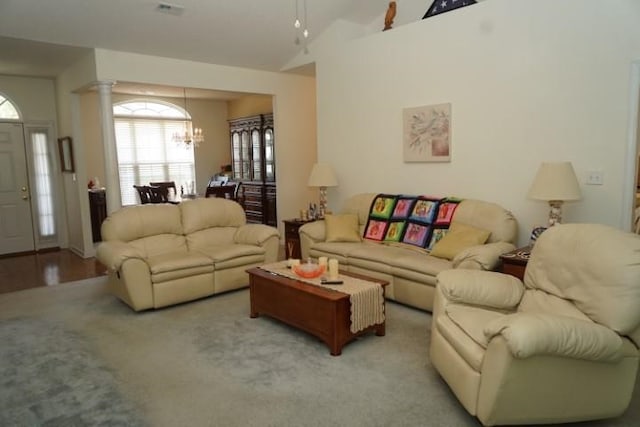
(72, 355)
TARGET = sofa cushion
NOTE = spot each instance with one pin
(459, 237)
(342, 228)
(175, 265)
(203, 213)
(227, 252)
(237, 255)
(420, 263)
(160, 244)
(377, 256)
(135, 222)
(488, 216)
(463, 344)
(596, 277)
(472, 320)
(535, 301)
(210, 236)
(342, 249)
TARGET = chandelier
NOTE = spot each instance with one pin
(190, 136)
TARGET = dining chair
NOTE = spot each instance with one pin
(144, 193)
(223, 191)
(159, 194)
(165, 184)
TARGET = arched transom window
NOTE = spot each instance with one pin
(8, 110)
(146, 151)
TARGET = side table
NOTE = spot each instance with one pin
(515, 262)
(292, 238)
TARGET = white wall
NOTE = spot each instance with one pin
(69, 112)
(293, 107)
(35, 97)
(529, 81)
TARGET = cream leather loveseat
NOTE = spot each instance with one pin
(560, 347)
(412, 272)
(163, 254)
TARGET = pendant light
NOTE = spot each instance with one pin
(190, 136)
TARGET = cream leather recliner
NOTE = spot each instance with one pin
(560, 347)
(163, 254)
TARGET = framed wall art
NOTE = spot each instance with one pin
(66, 154)
(427, 133)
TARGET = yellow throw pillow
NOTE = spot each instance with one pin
(459, 237)
(342, 228)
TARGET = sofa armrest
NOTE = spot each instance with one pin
(310, 233)
(481, 288)
(531, 334)
(113, 253)
(255, 234)
(482, 257)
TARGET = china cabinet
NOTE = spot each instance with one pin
(253, 161)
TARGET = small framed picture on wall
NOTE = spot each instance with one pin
(66, 154)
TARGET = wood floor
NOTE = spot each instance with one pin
(46, 269)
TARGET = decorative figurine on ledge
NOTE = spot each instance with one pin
(391, 13)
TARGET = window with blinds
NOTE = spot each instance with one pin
(145, 149)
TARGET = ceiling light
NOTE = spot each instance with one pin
(190, 136)
(301, 26)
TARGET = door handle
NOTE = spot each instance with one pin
(25, 197)
(24, 189)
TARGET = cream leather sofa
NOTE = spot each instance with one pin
(560, 347)
(412, 272)
(163, 254)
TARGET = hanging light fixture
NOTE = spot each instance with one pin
(190, 136)
(301, 26)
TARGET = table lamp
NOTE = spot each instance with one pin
(322, 176)
(555, 183)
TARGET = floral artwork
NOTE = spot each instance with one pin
(427, 133)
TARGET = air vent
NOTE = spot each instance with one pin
(171, 9)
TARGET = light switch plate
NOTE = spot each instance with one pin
(595, 178)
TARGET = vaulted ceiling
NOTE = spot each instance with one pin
(41, 37)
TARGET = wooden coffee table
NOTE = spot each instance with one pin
(322, 312)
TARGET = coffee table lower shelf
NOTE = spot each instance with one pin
(319, 311)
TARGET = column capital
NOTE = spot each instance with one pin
(105, 84)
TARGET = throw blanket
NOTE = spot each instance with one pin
(415, 220)
(367, 302)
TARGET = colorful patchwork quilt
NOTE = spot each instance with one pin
(415, 220)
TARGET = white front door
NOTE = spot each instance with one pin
(16, 226)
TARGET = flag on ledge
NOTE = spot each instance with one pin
(441, 6)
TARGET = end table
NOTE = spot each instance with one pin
(515, 262)
(292, 238)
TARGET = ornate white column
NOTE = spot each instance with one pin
(112, 182)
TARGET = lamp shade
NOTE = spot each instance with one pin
(555, 181)
(322, 176)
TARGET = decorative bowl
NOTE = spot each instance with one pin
(308, 270)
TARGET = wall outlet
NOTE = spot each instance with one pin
(595, 178)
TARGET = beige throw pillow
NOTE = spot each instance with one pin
(342, 228)
(459, 237)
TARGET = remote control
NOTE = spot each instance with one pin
(331, 282)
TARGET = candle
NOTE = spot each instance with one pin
(322, 261)
(292, 261)
(333, 269)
